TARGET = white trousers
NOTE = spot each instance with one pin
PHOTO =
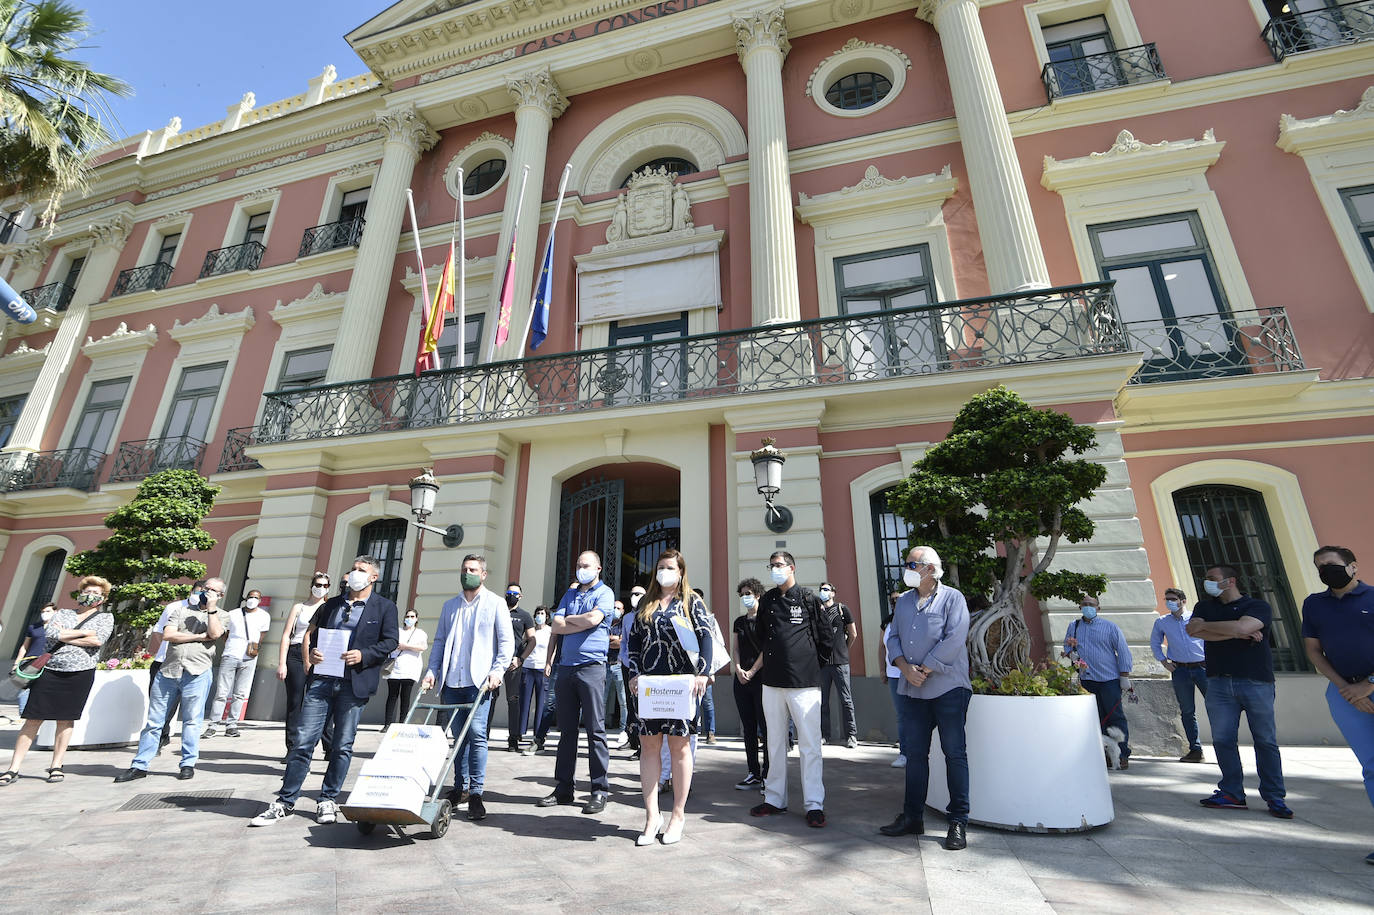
(804, 707)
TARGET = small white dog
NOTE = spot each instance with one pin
(1111, 744)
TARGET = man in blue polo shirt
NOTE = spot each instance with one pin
(1338, 633)
(1240, 678)
(582, 624)
(1100, 644)
(1183, 656)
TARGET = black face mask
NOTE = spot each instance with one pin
(512, 600)
(1333, 575)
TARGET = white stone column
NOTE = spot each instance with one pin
(761, 42)
(537, 102)
(1011, 246)
(355, 346)
(95, 279)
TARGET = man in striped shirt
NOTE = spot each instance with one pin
(1100, 644)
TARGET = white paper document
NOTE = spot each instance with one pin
(667, 697)
(332, 643)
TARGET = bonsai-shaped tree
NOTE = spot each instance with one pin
(995, 498)
(141, 559)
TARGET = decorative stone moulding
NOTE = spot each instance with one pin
(180, 188)
(24, 353)
(1130, 158)
(120, 340)
(311, 305)
(538, 89)
(875, 193)
(466, 66)
(762, 29)
(1341, 126)
(488, 145)
(653, 204)
(405, 125)
(353, 141)
(857, 56)
(213, 324)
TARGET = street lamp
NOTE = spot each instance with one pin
(424, 492)
(768, 461)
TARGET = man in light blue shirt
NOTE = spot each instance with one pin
(1185, 659)
(928, 642)
(1100, 645)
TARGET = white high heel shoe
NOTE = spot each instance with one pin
(673, 836)
(647, 837)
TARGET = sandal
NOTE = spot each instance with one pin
(8, 778)
(55, 775)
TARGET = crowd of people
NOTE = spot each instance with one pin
(573, 663)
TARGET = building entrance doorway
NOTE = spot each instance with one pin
(629, 513)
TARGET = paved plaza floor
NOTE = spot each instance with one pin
(71, 848)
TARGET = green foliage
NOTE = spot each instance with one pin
(1044, 679)
(141, 558)
(52, 106)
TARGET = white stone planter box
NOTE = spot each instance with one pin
(115, 711)
(1035, 764)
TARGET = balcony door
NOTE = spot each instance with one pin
(1170, 300)
(95, 426)
(1081, 56)
(649, 373)
(877, 343)
(188, 420)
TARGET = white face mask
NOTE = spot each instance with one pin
(911, 577)
(634, 600)
(251, 603)
(586, 576)
(779, 575)
(1213, 588)
(540, 619)
(46, 615)
(358, 579)
(668, 578)
(319, 590)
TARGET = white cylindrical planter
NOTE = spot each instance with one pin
(1035, 764)
(115, 711)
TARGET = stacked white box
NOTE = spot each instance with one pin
(388, 792)
(415, 751)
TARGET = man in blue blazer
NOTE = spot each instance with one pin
(370, 620)
(472, 648)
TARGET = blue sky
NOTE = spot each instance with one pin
(194, 59)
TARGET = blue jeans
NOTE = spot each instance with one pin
(192, 690)
(1110, 711)
(706, 712)
(327, 699)
(1185, 679)
(1227, 697)
(1357, 728)
(615, 693)
(837, 675)
(916, 719)
(532, 681)
(472, 755)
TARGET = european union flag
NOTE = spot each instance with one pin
(539, 325)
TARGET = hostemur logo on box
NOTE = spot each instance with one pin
(664, 690)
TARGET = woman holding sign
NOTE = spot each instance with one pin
(668, 652)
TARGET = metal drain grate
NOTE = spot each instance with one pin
(178, 800)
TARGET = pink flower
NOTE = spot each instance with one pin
(112, 664)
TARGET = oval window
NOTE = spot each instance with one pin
(858, 90)
(484, 177)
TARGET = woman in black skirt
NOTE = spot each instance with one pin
(60, 693)
(667, 636)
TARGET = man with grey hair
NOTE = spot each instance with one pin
(928, 642)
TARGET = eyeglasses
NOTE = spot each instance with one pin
(913, 565)
(778, 565)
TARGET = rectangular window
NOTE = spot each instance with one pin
(651, 372)
(9, 415)
(891, 542)
(878, 343)
(194, 402)
(95, 427)
(354, 204)
(256, 230)
(1359, 203)
(1168, 294)
(74, 271)
(167, 248)
(304, 368)
(472, 341)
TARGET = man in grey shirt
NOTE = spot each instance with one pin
(928, 642)
(193, 626)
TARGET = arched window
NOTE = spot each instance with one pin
(1229, 525)
(44, 590)
(484, 177)
(385, 541)
(674, 164)
(891, 540)
(858, 90)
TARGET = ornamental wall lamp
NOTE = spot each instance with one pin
(768, 461)
(424, 492)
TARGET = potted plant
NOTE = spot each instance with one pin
(995, 499)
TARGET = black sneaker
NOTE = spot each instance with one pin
(476, 809)
(130, 774)
(1193, 756)
(766, 810)
(749, 781)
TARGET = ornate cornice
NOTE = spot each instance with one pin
(213, 324)
(119, 341)
(21, 355)
(874, 193)
(1301, 136)
(406, 126)
(313, 304)
(31, 255)
(761, 29)
(1130, 158)
(537, 89)
(113, 233)
(929, 9)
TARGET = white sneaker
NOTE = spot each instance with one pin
(326, 812)
(275, 811)
(622, 741)
(899, 762)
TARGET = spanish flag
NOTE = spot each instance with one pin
(427, 358)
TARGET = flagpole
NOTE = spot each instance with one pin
(553, 227)
(462, 273)
(514, 229)
(420, 259)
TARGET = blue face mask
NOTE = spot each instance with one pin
(1213, 588)
(1088, 611)
(748, 601)
(1173, 606)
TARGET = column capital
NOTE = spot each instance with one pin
(538, 89)
(929, 9)
(406, 126)
(761, 29)
(113, 233)
(31, 255)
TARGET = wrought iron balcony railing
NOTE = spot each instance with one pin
(246, 256)
(53, 297)
(1215, 346)
(74, 468)
(1108, 70)
(136, 460)
(139, 279)
(331, 235)
(1312, 30)
(1040, 326)
(233, 457)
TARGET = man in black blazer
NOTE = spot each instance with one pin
(370, 620)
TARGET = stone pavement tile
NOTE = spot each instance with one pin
(1044, 866)
(307, 891)
(1188, 872)
(1007, 883)
(1080, 897)
(956, 906)
(1328, 852)
(1310, 890)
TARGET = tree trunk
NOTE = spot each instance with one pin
(999, 640)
